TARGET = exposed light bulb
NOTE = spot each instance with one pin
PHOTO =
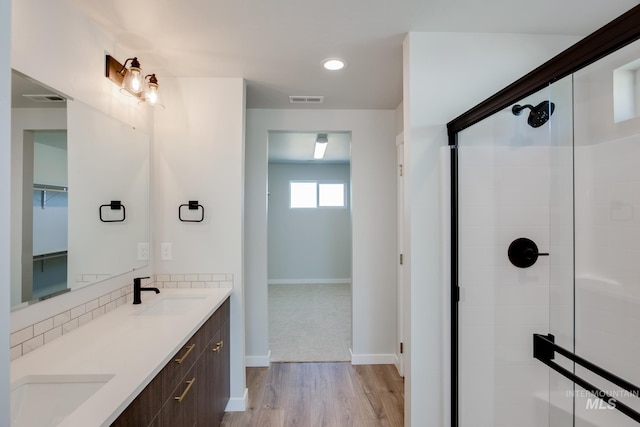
(133, 79)
(136, 83)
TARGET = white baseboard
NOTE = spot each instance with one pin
(258, 361)
(373, 359)
(307, 281)
(238, 404)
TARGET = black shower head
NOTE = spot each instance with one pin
(539, 114)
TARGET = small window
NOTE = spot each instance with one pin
(331, 195)
(303, 194)
(313, 194)
(626, 92)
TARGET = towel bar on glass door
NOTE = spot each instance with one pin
(544, 349)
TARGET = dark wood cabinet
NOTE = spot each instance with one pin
(193, 387)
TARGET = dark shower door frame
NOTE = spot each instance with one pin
(619, 33)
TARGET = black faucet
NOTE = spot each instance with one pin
(137, 289)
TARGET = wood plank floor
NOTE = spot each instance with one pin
(322, 395)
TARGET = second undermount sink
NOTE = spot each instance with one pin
(45, 400)
(172, 305)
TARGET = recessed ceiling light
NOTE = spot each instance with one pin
(333, 64)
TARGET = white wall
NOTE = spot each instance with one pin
(308, 245)
(123, 174)
(199, 155)
(59, 46)
(444, 75)
(5, 197)
(50, 158)
(373, 220)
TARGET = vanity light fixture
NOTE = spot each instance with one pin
(321, 146)
(132, 81)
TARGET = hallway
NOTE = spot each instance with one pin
(322, 394)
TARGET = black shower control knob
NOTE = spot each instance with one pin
(524, 252)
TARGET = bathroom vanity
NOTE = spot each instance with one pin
(164, 362)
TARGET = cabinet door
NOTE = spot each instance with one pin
(180, 409)
(222, 373)
(144, 408)
(207, 411)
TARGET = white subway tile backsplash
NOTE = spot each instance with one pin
(53, 334)
(34, 336)
(104, 300)
(85, 318)
(70, 325)
(78, 311)
(21, 336)
(42, 327)
(32, 344)
(98, 312)
(15, 352)
(61, 318)
(93, 304)
(111, 306)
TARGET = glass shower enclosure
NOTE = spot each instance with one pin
(546, 271)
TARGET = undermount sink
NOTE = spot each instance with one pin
(45, 400)
(173, 304)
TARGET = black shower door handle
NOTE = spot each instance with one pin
(524, 252)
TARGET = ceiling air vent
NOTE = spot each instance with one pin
(45, 98)
(306, 99)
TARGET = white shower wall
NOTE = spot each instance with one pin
(607, 215)
(514, 181)
(502, 306)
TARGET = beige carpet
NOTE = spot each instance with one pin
(310, 323)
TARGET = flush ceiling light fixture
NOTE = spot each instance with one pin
(321, 146)
(132, 80)
(333, 64)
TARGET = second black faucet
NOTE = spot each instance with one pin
(137, 289)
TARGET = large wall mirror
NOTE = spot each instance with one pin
(79, 194)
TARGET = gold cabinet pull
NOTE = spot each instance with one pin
(186, 390)
(219, 345)
(189, 348)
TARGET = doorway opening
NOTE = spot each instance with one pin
(309, 247)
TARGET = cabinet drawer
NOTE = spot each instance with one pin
(180, 409)
(176, 369)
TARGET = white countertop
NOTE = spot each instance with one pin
(132, 348)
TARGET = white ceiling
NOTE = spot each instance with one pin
(277, 45)
(23, 87)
